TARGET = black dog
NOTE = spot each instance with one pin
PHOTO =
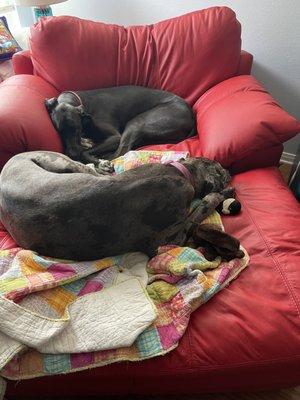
(117, 120)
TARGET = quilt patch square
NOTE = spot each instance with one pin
(58, 298)
(81, 359)
(168, 335)
(75, 287)
(149, 342)
(56, 363)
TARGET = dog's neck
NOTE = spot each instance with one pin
(184, 171)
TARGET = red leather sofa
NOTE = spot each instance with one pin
(248, 336)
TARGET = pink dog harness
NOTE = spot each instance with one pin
(185, 172)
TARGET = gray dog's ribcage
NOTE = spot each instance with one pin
(64, 209)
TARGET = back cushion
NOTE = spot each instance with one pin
(185, 55)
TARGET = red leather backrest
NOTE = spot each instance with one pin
(185, 55)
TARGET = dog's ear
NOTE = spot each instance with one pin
(80, 109)
(85, 117)
(208, 187)
(51, 104)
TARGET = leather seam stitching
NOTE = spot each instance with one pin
(275, 262)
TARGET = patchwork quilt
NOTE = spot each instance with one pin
(61, 316)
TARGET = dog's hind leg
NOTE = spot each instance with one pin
(168, 122)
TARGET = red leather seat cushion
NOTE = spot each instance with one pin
(246, 337)
(186, 55)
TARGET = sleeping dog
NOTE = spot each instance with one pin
(117, 120)
(64, 209)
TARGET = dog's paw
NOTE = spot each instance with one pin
(86, 143)
(228, 192)
(105, 167)
(92, 167)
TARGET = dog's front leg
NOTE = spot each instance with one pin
(103, 167)
(206, 206)
(179, 232)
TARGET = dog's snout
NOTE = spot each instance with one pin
(226, 176)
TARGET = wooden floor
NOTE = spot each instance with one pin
(285, 170)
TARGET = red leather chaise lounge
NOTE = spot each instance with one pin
(248, 336)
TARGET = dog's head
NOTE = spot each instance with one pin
(209, 176)
(68, 121)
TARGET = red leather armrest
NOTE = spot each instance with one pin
(246, 61)
(240, 125)
(22, 63)
(24, 122)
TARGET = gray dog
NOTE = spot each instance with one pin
(116, 120)
(62, 208)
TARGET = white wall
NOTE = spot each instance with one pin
(270, 31)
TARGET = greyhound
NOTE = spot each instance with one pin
(114, 120)
(65, 209)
